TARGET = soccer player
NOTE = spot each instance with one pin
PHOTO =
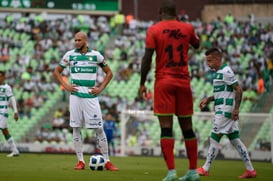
(6, 97)
(227, 99)
(171, 40)
(84, 106)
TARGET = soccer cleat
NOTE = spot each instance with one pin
(13, 154)
(191, 175)
(170, 177)
(249, 174)
(80, 165)
(110, 166)
(202, 172)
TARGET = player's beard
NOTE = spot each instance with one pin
(81, 48)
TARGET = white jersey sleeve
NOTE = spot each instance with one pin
(9, 91)
(229, 76)
(65, 59)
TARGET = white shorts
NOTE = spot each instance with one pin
(85, 112)
(3, 122)
(224, 125)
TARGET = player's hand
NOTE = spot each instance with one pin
(95, 90)
(235, 115)
(71, 88)
(142, 91)
(203, 103)
(16, 116)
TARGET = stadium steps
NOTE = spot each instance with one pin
(264, 104)
(263, 133)
(45, 114)
(25, 128)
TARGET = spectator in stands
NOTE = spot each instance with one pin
(123, 54)
(42, 134)
(126, 72)
(229, 19)
(27, 74)
(66, 116)
(29, 104)
(129, 17)
(144, 138)
(261, 84)
(38, 101)
(44, 87)
(58, 122)
(270, 64)
(119, 19)
(28, 86)
(195, 65)
(4, 53)
(21, 107)
(132, 139)
(38, 51)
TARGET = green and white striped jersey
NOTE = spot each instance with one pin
(5, 94)
(83, 69)
(224, 94)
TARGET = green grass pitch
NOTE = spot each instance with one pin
(59, 167)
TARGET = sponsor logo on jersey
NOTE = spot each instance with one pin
(174, 33)
(76, 69)
(83, 69)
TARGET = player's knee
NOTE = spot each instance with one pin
(99, 131)
(6, 134)
(188, 134)
(166, 132)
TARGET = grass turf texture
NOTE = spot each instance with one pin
(59, 167)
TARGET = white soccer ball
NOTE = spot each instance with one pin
(96, 162)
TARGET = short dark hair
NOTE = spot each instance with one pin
(168, 7)
(2, 72)
(213, 50)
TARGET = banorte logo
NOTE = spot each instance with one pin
(77, 69)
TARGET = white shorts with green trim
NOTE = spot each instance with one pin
(85, 112)
(224, 125)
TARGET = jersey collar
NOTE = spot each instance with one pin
(223, 66)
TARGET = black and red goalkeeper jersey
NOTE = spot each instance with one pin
(171, 40)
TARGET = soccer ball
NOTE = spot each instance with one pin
(96, 162)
